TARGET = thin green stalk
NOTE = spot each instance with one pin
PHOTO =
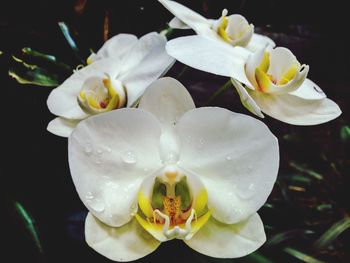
(182, 72)
(220, 91)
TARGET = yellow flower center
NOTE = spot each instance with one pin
(234, 29)
(171, 211)
(264, 79)
(101, 95)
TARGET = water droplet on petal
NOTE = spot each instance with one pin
(99, 151)
(94, 203)
(88, 148)
(228, 158)
(109, 149)
(133, 209)
(247, 193)
(201, 143)
(89, 196)
(129, 157)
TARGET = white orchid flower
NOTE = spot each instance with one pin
(269, 80)
(233, 29)
(116, 77)
(167, 170)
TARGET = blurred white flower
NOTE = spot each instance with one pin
(233, 29)
(269, 80)
(167, 170)
(116, 76)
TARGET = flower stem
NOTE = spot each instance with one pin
(220, 91)
(183, 70)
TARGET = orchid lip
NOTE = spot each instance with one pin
(101, 95)
(173, 210)
(233, 29)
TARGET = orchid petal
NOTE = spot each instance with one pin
(140, 50)
(309, 90)
(168, 100)
(253, 62)
(62, 101)
(115, 47)
(190, 18)
(210, 56)
(295, 110)
(62, 127)
(235, 156)
(219, 240)
(246, 99)
(108, 158)
(176, 23)
(267, 86)
(239, 30)
(126, 243)
(258, 42)
(151, 67)
(284, 74)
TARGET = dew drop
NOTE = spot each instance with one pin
(89, 196)
(145, 170)
(88, 148)
(228, 158)
(94, 203)
(129, 157)
(201, 143)
(238, 211)
(108, 149)
(133, 209)
(247, 193)
(99, 151)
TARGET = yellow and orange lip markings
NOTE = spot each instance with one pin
(101, 95)
(172, 213)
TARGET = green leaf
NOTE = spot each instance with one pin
(45, 57)
(332, 234)
(66, 32)
(307, 171)
(38, 77)
(300, 179)
(324, 207)
(29, 223)
(257, 258)
(220, 91)
(345, 133)
(26, 65)
(287, 235)
(301, 256)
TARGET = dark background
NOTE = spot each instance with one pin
(34, 167)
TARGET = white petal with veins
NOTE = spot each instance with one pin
(219, 240)
(235, 156)
(126, 243)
